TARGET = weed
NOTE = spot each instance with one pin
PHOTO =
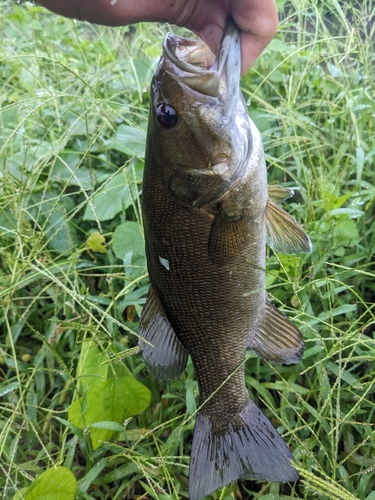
(73, 279)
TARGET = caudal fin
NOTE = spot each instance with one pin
(249, 448)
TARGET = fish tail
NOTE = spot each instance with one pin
(249, 447)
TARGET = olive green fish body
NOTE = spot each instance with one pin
(212, 306)
(207, 216)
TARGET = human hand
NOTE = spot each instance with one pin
(257, 19)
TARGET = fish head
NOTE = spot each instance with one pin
(198, 118)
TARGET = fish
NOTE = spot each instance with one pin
(207, 215)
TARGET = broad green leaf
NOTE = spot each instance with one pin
(271, 277)
(134, 170)
(113, 400)
(27, 79)
(352, 212)
(57, 483)
(108, 424)
(60, 231)
(66, 171)
(92, 369)
(52, 210)
(110, 200)
(96, 242)
(144, 72)
(128, 245)
(135, 265)
(345, 229)
(128, 238)
(129, 140)
(20, 495)
(118, 368)
(280, 4)
(264, 121)
(8, 223)
(278, 45)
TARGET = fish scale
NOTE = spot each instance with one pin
(186, 228)
(207, 216)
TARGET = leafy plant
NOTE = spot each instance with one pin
(58, 483)
(74, 395)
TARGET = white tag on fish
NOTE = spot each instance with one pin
(165, 263)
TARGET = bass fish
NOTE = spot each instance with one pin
(207, 217)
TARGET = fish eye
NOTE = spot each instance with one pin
(166, 116)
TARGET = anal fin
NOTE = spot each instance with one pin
(283, 233)
(277, 339)
(166, 357)
(227, 238)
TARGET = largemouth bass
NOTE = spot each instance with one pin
(207, 216)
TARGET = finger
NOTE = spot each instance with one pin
(211, 35)
(114, 12)
(258, 21)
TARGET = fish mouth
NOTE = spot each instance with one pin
(194, 63)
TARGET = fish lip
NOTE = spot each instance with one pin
(218, 74)
(174, 46)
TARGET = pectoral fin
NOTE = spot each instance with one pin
(283, 233)
(166, 357)
(277, 339)
(227, 238)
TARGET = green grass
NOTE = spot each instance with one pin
(73, 113)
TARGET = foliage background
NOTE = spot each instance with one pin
(73, 115)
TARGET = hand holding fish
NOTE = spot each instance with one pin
(257, 19)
